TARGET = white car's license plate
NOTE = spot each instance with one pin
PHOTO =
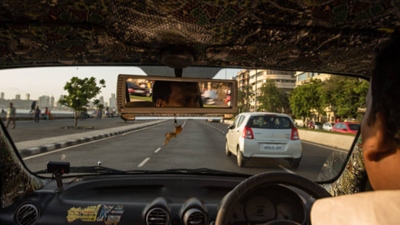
(271, 147)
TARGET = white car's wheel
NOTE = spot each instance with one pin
(239, 157)
(227, 152)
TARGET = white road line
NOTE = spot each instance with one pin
(66, 148)
(143, 162)
(286, 169)
(91, 142)
(157, 150)
(184, 124)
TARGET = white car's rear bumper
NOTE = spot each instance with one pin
(252, 148)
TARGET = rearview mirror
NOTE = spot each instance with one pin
(231, 127)
(170, 95)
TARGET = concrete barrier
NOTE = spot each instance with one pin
(339, 141)
(230, 122)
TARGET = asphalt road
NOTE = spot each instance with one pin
(200, 145)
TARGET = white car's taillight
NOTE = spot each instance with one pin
(295, 134)
(248, 133)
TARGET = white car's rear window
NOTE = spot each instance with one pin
(270, 122)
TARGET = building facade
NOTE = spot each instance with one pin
(255, 79)
(304, 77)
(113, 101)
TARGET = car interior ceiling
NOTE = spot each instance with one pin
(192, 40)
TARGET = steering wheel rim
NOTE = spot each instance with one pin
(229, 202)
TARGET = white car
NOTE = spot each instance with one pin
(317, 126)
(264, 135)
(328, 126)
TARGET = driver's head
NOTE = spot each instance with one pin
(381, 124)
(176, 94)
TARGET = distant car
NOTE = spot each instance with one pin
(328, 126)
(228, 100)
(317, 125)
(346, 127)
(138, 91)
(264, 135)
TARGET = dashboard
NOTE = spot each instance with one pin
(152, 199)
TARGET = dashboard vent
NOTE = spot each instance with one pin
(157, 216)
(27, 214)
(195, 217)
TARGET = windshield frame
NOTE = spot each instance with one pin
(80, 175)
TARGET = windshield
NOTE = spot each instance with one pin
(354, 126)
(270, 122)
(70, 114)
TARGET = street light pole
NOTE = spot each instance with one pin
(255, 100)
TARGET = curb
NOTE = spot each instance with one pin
(54, 146)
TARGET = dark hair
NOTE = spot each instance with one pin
(385, 89)
(161, 90)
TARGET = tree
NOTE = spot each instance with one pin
(345, 95)
(272, 98)
(305, 98)
(80, 92)
(244, 97)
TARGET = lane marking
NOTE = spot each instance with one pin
(324, 146)
(143, 162)
(215, 128)
(184, 124)
(90, 142)
(66, 148)
(286, 169)
(157, 150)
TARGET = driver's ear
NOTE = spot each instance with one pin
(378, 145)
(160, 103)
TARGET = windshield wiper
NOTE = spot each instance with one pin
(87, 169)
(189, 171)
(102, 170)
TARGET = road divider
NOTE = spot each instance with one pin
(338, 141)
(43, 145)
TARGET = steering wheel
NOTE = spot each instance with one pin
(228, 204)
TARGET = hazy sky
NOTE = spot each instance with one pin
(51, 80)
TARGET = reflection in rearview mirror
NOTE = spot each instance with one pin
(159, 93)
(175, 95)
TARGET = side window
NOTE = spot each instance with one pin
(340, 126)
(236, 120)
(241, 121)
(286, 123)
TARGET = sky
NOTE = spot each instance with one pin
(51, 80)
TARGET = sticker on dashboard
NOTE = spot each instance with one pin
(110, 214)
(87, 214)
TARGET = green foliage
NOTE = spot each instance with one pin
(305, 98)
(272, 98)
(344, 96)
(80, 92)
(244, 97)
